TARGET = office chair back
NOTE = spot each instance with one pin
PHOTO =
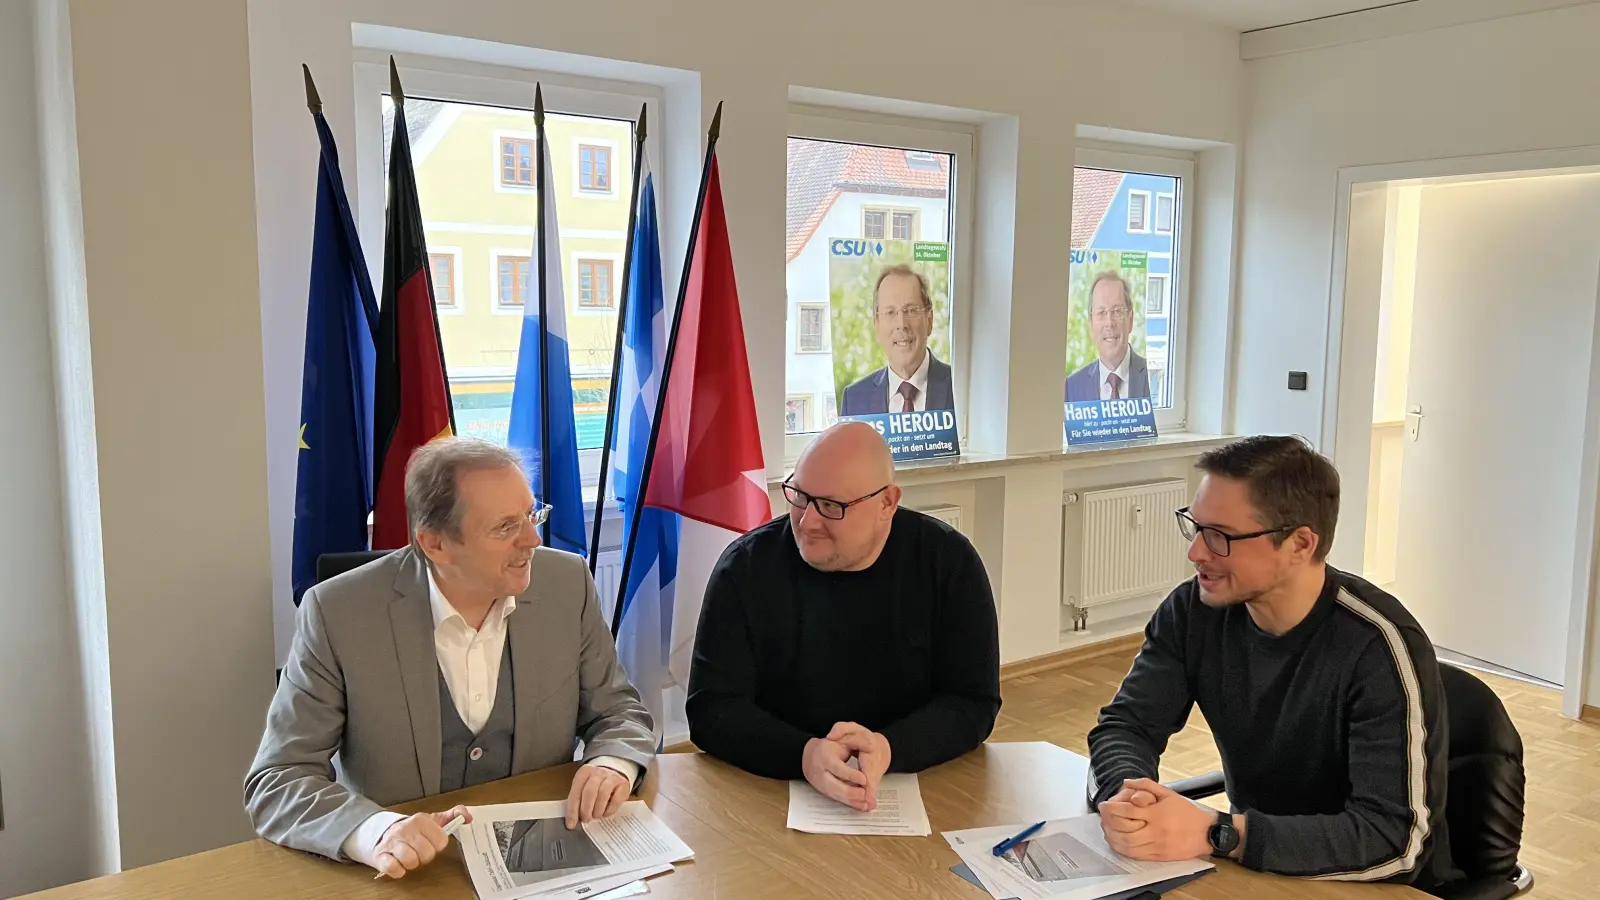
(1487, 783)
(331, 564)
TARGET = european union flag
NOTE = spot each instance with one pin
(333, 484)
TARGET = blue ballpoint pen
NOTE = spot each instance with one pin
(1001, 848)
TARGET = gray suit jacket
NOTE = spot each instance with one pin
(362, 682)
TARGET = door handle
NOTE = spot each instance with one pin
(1414, 422)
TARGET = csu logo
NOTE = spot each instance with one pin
(842, 247)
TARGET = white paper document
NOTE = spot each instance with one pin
(519, 850)
(1067, 859)
(900, 811)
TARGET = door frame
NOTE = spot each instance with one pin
(1353, 457)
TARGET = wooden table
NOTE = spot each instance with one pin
(736, 824)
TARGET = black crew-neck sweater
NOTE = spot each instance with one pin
(1333, 736)
(908, 647)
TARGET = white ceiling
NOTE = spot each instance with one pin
(1248, 15)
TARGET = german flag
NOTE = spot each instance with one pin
(412, 394)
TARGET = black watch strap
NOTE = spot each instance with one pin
(1223, 836)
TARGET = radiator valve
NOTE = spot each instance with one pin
(1080, 617)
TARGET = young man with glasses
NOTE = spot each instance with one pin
(1321, 691)
(471, 655)
(851, 628)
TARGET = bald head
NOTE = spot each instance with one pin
(848, 456)
(848, 462)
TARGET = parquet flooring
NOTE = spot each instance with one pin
(1561, 840)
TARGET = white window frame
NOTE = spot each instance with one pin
(495, 255)
(500, 135)
(578, 190)
(1148, 212)
(955, 139)
(827, 345)
(808, 399)
(456, 279)
(1155, 215)
(1166, 293)
(1172, 164)
(463, 82)
(576, 256)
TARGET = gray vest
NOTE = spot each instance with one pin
(468, 759)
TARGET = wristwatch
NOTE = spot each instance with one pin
(1223, 836)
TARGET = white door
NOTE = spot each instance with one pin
(1506, 282)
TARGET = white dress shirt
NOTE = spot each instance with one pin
(469, 660)
(918, 379)
(1121, 372)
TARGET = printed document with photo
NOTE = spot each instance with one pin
(519, 850)
(900, 811)
(1068, 859)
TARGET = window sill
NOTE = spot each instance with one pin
(985, 465)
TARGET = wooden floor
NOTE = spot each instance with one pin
(1561, 841)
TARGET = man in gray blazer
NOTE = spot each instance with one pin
(474, 654)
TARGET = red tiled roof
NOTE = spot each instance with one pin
(819, 171)
(1093, 191)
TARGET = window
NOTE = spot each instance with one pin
(1164, 209)
(442, 266)
(512, 279)
(516, 162)
(859, 177)
(1138, 212)
(594, 284)
(812, 334)
(473, 143)
(1157, 225)
(1155, 298)
(891, 224)
(594, 168)
(872, 224)
(797, 414)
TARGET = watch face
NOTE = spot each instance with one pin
(1223, 838)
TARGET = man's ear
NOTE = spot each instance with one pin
(891, 500)
(1305, 541)
(431, 543)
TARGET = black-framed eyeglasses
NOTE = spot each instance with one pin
(828, 507)
(1219, 542)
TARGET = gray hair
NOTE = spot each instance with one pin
(433, 483)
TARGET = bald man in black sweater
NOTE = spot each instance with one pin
(852, 628)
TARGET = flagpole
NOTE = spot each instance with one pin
(616, 352)
(631, 536)
(544, 311)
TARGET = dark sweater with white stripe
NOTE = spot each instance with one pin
(1333, 735)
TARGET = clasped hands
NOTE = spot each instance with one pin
(413, 842)
(826, 764)
(1149, 821)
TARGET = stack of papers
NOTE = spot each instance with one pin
(521, 850)
(1067, 859)
(900, 812)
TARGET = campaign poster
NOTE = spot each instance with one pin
(891, 342)
(1108, 379)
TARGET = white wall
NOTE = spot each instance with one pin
(44, 749)
(1503, 86)
(1492, 87)
(162, 91)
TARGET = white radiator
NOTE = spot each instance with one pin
(607, 572)
(950, 515)
(1129, 544)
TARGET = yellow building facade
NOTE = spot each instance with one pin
(476, 177)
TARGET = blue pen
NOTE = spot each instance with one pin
(1010, 842)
